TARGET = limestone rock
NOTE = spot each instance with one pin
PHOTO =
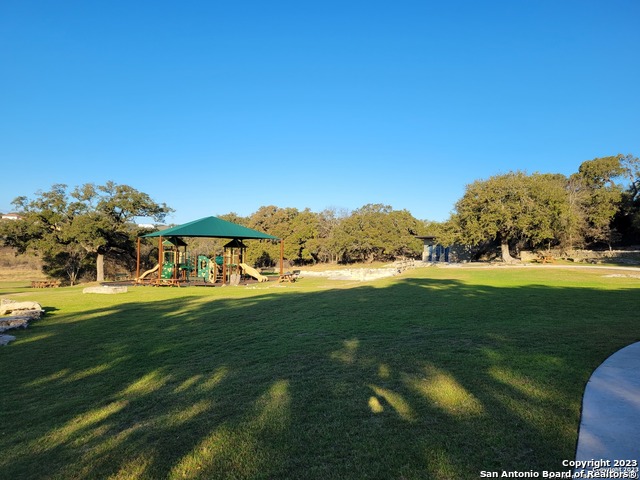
(18, 321)
(11, 306)
(105, 289)
(5, 339)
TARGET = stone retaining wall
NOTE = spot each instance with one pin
(626, 257)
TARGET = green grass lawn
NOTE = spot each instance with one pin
(437, 373)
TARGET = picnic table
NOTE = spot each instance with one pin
(289, 276)
(547, 259)
(163, 282)
(45, 283)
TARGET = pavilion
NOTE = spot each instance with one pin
(208, 227)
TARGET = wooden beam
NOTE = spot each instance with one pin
(138, 262)
(160, 259)
(281, 256)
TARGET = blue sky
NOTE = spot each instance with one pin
(214, 107)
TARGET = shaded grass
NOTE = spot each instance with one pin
(439, 373)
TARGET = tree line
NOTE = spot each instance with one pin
(74, 231)
(598, 205)
(374, 232)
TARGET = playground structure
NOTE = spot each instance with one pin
(178, 266)
(234, 266)
(176, 262)
(209, 269)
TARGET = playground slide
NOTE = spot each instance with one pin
(149, 272)
(252, 272)
(213, 271)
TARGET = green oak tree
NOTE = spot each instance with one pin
(629, 215)
(510, 208)
(600, 193)
(547, 209)
(69, 228)
(377, 232)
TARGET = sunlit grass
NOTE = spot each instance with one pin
(437, 373)
(445, 392)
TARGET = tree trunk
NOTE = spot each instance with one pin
(504, 247)
(100, 267)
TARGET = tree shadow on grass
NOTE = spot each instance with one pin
(421, 379)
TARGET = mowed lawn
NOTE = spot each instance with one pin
(436, 373)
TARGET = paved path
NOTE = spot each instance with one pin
(610, 424)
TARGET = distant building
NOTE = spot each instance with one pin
(11, 216)
(433, 251)
(152, 226)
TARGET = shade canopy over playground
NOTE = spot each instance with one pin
(208, 227)
(212, 227)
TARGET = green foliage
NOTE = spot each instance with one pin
(599, 172)
(549, 215)
(67, 229)
(547, 209)
(373, 232)
(601, 198)
(274, 221)
(69, 262)
(377, 232)
(627, 219)
(304, 241)
(508, 208)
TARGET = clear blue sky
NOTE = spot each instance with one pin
(214, 107)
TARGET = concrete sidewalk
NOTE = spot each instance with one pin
(610, 424)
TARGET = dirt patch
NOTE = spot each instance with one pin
(19, 267)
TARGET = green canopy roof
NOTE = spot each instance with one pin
(212, 227)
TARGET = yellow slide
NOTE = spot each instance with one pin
(252, 272)
(149, 272)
